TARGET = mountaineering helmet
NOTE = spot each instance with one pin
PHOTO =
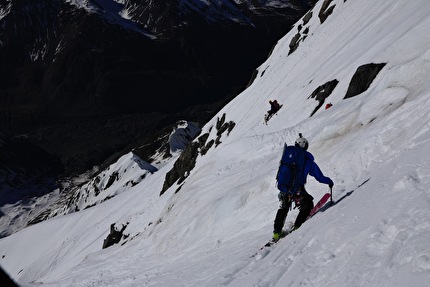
(302, 142)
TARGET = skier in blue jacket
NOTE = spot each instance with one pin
(302, 199)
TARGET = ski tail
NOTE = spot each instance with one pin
(320, 204)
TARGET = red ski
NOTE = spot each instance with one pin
(320, 204)
(265, 249)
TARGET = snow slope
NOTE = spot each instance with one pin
(375, 147)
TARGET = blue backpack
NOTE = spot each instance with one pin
(290, 173)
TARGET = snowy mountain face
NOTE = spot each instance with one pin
(162, 16)
(165, 17)
(27, 181)
(126, 172)
(38, 196)
(110, 10)
(5, 8)
(371, 60)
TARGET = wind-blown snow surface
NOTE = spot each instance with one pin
(375, 147)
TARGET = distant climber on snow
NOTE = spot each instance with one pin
(296, 164)
(274, 108)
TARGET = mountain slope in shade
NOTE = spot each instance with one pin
(84, 71)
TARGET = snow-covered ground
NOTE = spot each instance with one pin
(374, 146)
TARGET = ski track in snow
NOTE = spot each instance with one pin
(375, 147)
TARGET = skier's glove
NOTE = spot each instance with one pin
(331, 184)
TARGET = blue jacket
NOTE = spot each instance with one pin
(312, 169)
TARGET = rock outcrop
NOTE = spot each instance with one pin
(187, 160)
(322, 92)
(362, 79)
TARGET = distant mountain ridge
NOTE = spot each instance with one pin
(30, 193)
(70, 67)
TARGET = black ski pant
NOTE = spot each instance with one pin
(306, 205)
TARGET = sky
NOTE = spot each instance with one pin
(375, 147)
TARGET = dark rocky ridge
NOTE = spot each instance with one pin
(187, 160)
(323, 92)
